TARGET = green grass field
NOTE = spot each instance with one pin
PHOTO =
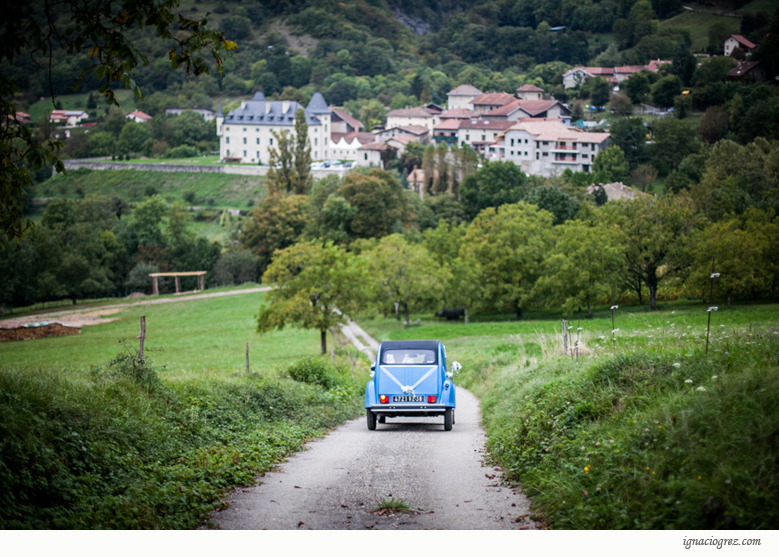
(206, 335)
(78, 101)
(658, 436)
(698, 23)
(211, 190)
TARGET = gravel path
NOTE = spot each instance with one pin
(337, 482)
(77, 318)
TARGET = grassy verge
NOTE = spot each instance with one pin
(122, 448)
(659, 435)
(210, 190)
(89, 439)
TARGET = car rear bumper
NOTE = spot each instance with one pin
(393, 410)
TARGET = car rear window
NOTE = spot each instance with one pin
(408, 356)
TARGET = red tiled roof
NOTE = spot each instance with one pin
(376, 146)
(629, 69)
(414, 130)
(417, 112)
(530, 89)
(139, 114)
(449, 124)
(498, 99)
(742, 40)
(465, 91)
(353, 122)
(457, 113)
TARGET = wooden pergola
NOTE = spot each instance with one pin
(201, 280)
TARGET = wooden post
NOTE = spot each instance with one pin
(178, 284)
(565, 339)
(247, 357)
(142, 336)
(201, 282)
(155, 286)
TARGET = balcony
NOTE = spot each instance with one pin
(567, 148)
(570, 159)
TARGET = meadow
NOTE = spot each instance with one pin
(647, 433)
(95, 437)
(193, 188)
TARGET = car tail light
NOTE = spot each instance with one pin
(431, 399)
(384, 399)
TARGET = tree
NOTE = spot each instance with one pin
(621, 105)
(636, 87)
(736, 255)
(612, 163)
(508, 243)
(629, 134)
(276, 223)
(406, 275)
(600, 92)
(683, 63)
(664, 91)
(378, 200)
(496, 184)
(281, 176)
(552, 199)
(653, 234)
(103, 30)
(643, 175)
(583, 265)
(318, 288)
(673, 140)
(132, 138)
(302, 152)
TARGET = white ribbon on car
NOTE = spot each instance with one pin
(405, 388)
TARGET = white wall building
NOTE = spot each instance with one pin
(246, 133)
(461, 96)
(418, 116)
(546, 147)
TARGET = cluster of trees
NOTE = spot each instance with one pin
(100, 246)
(186, 135)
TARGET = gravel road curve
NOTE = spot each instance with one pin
(337, 481)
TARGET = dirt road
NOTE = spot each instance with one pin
(94, 316)
(338, 482)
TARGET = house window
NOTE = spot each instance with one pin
(512, 142)
(537, 155)
(512, 152)
(271, 141)
(366, 156)
(227, 128)
(467, 137)
(244, 141)
(227, 140)
(546, 154)
(483, 137)
(538, 144)
(258, 156)
(315, 140)
(258, 141)
(525, 153)
(526, 141)
(244, 129)
(244, 153)
(546, 143)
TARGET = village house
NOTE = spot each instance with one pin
(371, 154)
(747, 70)
(546, 147)
(737, 41)
(486, 102)
(520, 108)
(418, 116)
(420, 134)
(478, 134)
(207, 114)
(577, 76)
(342, 122)
(138, 116)
(461, 97)
(530, 93)
(345, 146)
(67, 117)
(416, 181)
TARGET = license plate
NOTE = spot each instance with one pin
(408, 398)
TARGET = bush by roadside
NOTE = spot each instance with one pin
(663, 439)
(126, 447)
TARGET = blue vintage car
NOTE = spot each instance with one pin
(410, 378)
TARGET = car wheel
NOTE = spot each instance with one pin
(371, 419)
(453, 420)
(382, 419)
(448, 418)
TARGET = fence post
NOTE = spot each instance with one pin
(565, 339)
(247, 357)
(142, 336)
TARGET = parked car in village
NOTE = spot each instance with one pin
(410, 378)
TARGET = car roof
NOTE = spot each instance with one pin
(410, 344)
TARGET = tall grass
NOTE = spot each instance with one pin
(122, 448)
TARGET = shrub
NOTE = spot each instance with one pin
(181, 152)
(318, 371)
